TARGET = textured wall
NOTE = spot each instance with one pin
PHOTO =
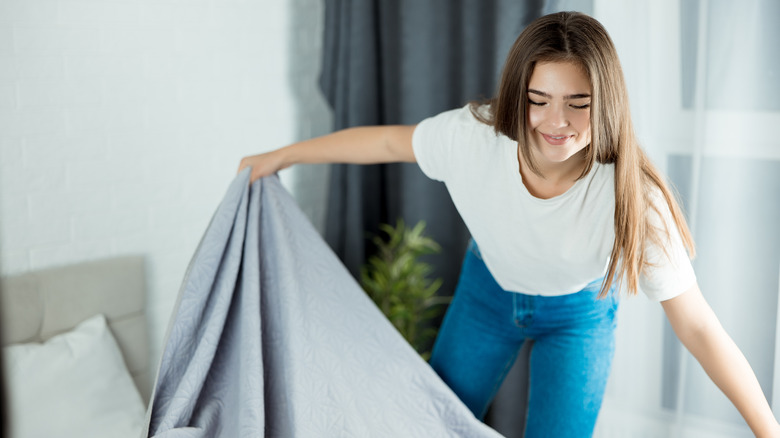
(122, 123)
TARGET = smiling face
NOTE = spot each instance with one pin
(559, 97)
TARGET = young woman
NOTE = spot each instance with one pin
(553, 186)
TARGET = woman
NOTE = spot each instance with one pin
(551, 182)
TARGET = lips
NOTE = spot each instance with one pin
(556, 140)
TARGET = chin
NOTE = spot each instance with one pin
(558, 156)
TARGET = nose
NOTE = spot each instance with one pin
(557, 117)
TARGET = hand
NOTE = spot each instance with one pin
(263, 164)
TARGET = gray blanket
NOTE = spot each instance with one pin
(271, 336)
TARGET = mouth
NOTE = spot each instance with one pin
(556, 140)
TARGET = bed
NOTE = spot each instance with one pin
(75, 349)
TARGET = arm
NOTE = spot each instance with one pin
(698, 328)
(363, 145)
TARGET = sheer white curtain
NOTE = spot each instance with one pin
(704, 81)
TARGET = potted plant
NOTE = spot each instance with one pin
(398, 282)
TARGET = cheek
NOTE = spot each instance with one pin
(583, 125)
(534, 117)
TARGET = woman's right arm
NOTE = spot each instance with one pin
(361, 145)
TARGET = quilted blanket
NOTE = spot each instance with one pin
(271, 336)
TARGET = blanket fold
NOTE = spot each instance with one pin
(271, 336)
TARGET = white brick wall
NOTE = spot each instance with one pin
(122, 123)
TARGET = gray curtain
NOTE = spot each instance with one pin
(397, 62)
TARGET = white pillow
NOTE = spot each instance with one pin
(73, 385)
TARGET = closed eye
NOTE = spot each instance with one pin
(535, 103)
(581, 106)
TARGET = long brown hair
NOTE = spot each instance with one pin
(577, 38)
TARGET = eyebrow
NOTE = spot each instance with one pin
(569, 97)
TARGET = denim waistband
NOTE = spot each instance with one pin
(593, 286)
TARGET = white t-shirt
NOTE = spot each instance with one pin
(535, 246)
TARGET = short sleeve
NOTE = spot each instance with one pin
(433, 141)
(670, 272)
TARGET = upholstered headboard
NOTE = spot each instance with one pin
(38, 305)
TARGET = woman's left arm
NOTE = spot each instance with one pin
(698, 328)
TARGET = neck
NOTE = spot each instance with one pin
(554, 178)
(555, 172)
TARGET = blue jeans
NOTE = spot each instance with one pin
(573, 344)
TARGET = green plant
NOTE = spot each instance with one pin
(398, 282)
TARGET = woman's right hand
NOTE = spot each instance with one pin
(263, 164)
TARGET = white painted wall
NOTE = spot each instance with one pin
(122, 122)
